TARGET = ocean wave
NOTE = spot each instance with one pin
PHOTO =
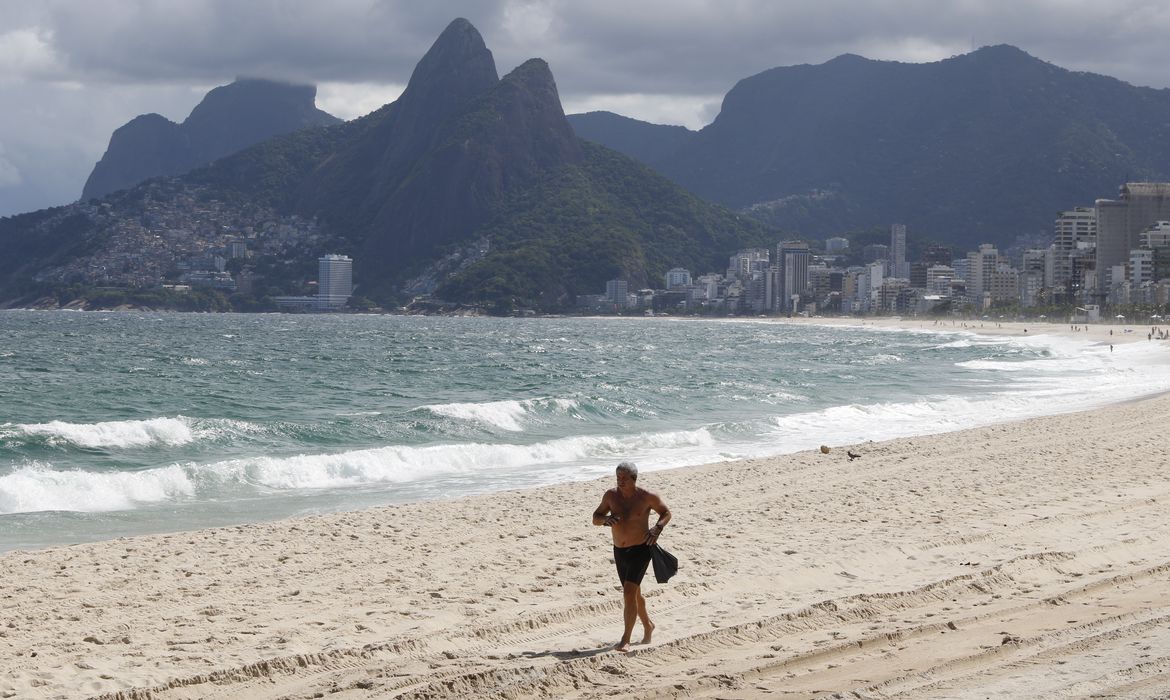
(954, 345)
(402, 463)
(108, 434)
(37, 487)
(40, 488)
(128, 434)
(1095, 382)
(505, 415)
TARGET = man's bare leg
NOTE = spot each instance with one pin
(630, 596)
(647, 625)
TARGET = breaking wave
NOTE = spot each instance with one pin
(504, 415)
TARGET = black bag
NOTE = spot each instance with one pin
(665, 563)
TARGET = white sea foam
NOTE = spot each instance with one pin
(151, 432)
(122, 433)
(1075, 376)
(954, 344)
(401, 463)
(40, 488)
(505, 415)
(881, 359)
(37, 487)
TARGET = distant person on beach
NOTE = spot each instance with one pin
(626, 510)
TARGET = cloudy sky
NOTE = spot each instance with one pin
(71, 72)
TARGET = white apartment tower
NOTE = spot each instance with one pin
(334, 281)
(1076, 232)
(982, 267)
(678, 277)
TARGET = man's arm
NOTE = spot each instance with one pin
(602, 515)
(659, 507)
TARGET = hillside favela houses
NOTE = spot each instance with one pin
(1114, 255)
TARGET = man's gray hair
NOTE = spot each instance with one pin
(629, 468)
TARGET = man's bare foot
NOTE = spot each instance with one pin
(621, 646)
(649, 631)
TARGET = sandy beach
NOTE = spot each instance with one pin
(1019, 560)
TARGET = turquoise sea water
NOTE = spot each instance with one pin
(122, 423)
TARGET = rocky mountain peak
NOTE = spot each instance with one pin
(458, 67)
(228, 119)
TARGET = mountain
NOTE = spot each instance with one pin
(425, 173)
(229, 118)
(607, 217)
(469, 183)
(976, 148)
(649, 143)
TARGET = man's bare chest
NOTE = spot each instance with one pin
(629, 509)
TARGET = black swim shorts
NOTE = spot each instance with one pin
(632, 562)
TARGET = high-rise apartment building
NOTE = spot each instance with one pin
(938, 279)
(820, 282)
(1120, 222)
(334, 281)
(898, 265)
(982, 265)
(1039, 261)
(1075, 233)
(742, 264)
(1150, 262)
(617, 292)
(792, 260)
(677, 278)
(1003, 285)
(1141, 266)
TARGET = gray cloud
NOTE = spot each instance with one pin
(72, 72)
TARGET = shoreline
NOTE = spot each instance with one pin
(1018, 559)
(179, 520)
(1098, 332)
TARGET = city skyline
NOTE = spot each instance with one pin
(1112, 255)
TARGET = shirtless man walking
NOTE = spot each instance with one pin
(626, 509)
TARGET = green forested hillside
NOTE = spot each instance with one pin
(609, 217)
